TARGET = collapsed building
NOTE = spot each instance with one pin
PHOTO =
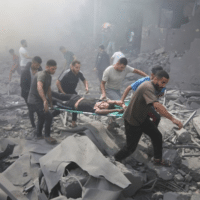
(80, 166)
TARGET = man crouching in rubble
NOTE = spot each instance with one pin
(40, 87)
(137, 121)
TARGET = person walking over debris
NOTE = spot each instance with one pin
(102, 62)
(24, 56)
(153, 114)
(67, 83)
(69, 57)
(25, 82)
(116, 56)
(40, 88)
(137, 122)
(113, 77)
(15, 66)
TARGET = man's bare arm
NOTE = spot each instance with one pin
(58, 84)
(141, 73)
(107, 111)
(41, 91)
(103, 90)
(86, 85)
(162, 110)
(126, 93)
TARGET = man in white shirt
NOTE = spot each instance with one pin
(24, 56)
(113, 77)
(116, 56)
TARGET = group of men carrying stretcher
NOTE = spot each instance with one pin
(140, 116)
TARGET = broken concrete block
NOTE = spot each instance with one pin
(165, 173)
(165, 127)
(136, 178)
(196, 123)
(195, 105)
(188, 178)
(191, 165)
(70, 186)
(181, 172)
(176, 196)
(172, 155)
(183, 136)
(198, 184)
(195, 197)
(160, 51)
(157, 196)
(178, 178)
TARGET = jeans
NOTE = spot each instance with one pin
(133, 134)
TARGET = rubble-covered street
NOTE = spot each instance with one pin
(81, 165)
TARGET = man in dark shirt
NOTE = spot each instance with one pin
(136, 118)
(102, 62)
(69, 57)
(67, 83)
(40, 88)
(25, 82)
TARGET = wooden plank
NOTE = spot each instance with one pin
(10, 189)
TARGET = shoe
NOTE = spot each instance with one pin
(164, 163)
(50, 140)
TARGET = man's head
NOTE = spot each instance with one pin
(121, 64)
(12, 52)
(154, 70)
(63, 49)
(101, 48)
(24, 43)
(36, 62)
(51, 66)
(160, 79)
(75, 67)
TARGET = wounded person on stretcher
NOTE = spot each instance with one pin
(76, 102)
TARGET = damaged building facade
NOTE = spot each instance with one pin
(81, 165)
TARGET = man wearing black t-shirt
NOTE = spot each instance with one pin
(67, 83)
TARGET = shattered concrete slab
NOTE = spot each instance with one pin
(136, 178)
(196, 124)
(83, 152)
(176, 196)
(191, 165)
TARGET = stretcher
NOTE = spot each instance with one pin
(65, 110)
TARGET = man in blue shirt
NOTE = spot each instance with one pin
(153, 114)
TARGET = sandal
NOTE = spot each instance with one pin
(50, 140)
(73, 126)
(165, 163)
(40, 137)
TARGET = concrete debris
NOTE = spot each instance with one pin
(176, 196)
(157, 196)
(183, 136)
(71, 185)
(178, 178)
(136, 178)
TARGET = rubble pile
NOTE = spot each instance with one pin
(145, 61)
(81, 165)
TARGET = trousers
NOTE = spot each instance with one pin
(133, 134)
